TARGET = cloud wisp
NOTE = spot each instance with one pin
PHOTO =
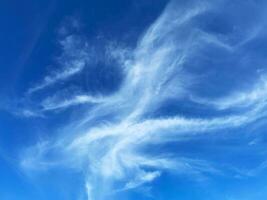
(113, 150)
(257, 95)
(76, 55)
(54, 103)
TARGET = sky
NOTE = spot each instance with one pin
(133, 100)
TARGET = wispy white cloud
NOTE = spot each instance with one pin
(144, 177)
(113, 150)
(33, 158)
(239, 99)
(75, 56)
(54, 103)
(29, 113)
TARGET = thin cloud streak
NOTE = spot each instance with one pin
(240, 99)
(73, 60)
(55, 103)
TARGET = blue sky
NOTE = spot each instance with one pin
(126, 100)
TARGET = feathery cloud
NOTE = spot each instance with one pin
(111, 149)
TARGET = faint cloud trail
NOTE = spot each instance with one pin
(74, 59)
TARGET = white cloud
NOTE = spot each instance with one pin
(29, 113)
(113, 150)
(75, 56)
(255, 95)
(54, 103)
(143, 177)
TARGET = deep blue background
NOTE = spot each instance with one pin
(29, 43)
